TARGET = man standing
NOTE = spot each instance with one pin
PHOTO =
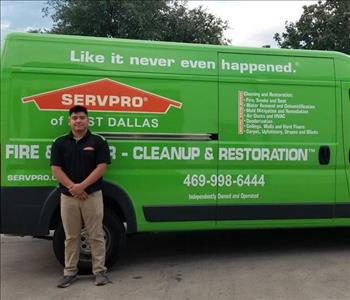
(78, 161)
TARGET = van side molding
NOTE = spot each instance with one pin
(160, 136)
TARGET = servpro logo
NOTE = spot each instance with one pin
(103, 95)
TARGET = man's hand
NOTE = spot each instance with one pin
(78, 191)
(83, 196)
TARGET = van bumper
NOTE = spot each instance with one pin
(20, 210)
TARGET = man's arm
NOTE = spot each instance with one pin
(95, 175)
(61, 176)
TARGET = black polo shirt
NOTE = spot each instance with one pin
(79, 158)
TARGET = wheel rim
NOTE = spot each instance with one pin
(85, 248)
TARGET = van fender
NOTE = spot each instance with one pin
(49, 211)
(115, 198)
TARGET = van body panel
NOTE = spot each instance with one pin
(201, 137)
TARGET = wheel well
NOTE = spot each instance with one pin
(55, 218)
(113, 206)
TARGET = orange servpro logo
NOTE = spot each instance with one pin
(104, 95)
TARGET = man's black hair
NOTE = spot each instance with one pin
(78, 109)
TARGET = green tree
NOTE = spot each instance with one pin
(163, 20)
(322, 26)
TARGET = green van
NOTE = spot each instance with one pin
(201, 137)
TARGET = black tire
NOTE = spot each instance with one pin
(115, 241)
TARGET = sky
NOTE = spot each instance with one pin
(251, 23)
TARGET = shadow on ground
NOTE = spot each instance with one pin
(155, 247)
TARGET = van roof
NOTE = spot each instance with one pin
(342, 61)
(220, 48)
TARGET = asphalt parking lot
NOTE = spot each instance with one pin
(237, 265)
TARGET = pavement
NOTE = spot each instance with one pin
(237, 265)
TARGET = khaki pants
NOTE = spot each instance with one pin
(73, 213)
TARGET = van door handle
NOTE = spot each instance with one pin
(324, 155)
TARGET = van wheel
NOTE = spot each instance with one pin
(114, 233)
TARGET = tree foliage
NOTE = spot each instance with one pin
(322, 26)
(148, 19)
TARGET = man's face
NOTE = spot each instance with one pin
(78, 122)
